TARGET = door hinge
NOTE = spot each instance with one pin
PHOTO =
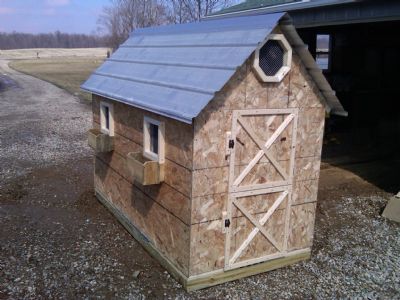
(227, 222)
(231, 144)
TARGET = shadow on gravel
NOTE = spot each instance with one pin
(381, 173)
(7, 83)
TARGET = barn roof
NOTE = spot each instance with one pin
(272, 6)
(175, 70)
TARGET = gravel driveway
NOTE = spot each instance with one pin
(57, 241)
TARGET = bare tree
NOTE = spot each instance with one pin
(194, 10)
(123, 16)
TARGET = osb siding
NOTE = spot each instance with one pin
(210, 164)
(161, 212)
(169, 234)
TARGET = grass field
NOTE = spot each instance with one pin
(65, 72)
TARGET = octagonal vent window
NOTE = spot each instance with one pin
(273, 58)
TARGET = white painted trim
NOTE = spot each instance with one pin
(254, 187)
(267, 111)
(160, 157)
(110, 130)
(261, 191)
(287, 59)
(284, 187)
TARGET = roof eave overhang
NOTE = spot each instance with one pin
(329, 98)
(307, 4)
(172, 115)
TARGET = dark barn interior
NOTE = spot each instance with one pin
(363, 70)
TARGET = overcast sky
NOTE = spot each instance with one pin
(37, 16)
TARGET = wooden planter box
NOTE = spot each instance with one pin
(100, 141)
(144, 170)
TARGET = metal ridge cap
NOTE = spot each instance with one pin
(254, 44)
(198, 27)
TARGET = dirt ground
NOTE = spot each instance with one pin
(57, 241)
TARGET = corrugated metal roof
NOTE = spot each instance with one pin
(176, 70)
(255, 4)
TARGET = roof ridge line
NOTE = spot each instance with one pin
(159, 83)
(191, 46)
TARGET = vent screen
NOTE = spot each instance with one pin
(271, 57)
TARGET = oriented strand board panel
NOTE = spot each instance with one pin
(310, 132)
(206, 247)
(169, 234)
(305, 191)
(208, 208)
(302, 219)
(303, 92)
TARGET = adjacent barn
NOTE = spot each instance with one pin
(208, 142)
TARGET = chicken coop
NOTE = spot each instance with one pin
(208, 140)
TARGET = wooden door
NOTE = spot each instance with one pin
(262, 151)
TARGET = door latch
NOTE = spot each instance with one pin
(231, 144)
(228, 148)
(226, 222)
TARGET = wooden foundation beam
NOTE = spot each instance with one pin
(220, 276)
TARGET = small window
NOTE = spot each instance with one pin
(323, 51)
(153, 139)
(106, 118)
(107, 115)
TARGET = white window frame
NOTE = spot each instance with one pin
(287, 59)
(104, 129)
(160, 157)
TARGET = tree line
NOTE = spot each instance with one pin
(117, 21)
(17, 40)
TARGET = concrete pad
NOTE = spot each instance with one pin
(392, 210)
